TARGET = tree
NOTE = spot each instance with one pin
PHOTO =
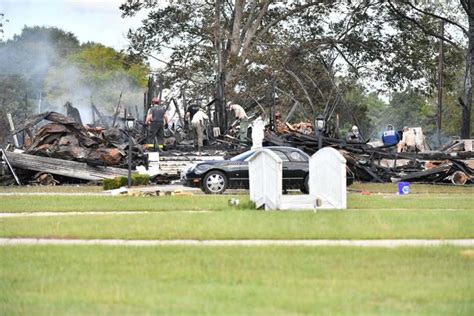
(24, 63)
(414, 13)
(245, 43)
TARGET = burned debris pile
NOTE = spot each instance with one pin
(66, 139)
(380, 164)
(61, 146)
(59, 149)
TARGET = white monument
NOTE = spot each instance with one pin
(327, 179)
(258, 128)
(327, 182)
(265, 179)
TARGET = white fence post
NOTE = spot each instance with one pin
(265, 179)
(327, 179)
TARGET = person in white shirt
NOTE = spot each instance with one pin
(198, 123)
(408, 142)
(240, 114)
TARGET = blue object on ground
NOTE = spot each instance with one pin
(403, 188)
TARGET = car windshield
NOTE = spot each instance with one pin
(243, 156)
(295, 154)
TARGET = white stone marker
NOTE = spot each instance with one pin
(258, 132)
(265, 179)
(327, 179)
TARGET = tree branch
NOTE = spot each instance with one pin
(253, 11)
(253, 29)
(418, 24)
(235, 38)
(303, 88)
(286, 15)
(463, 29)
(465, 6)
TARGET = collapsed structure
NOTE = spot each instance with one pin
(58, 149)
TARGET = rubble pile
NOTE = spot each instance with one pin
(56, 146)
(380, 164)
(66, 139)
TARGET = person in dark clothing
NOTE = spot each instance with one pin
(157, 120)
(192, 109)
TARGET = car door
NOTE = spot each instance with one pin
(240, 170)
(286, 167)
(295, 168)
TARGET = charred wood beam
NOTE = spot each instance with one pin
(50, 116)
(117, 109)
(431, 175)
(72, 169)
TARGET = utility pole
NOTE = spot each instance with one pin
(273, 111)
(439, 114)
(220, 76)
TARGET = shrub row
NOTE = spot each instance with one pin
(117, 182)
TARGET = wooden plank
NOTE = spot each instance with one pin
(73, 169)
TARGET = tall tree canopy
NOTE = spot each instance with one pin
(303, 46)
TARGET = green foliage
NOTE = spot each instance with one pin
(355, 109)
(24, 64)
(140, 179)
(117, 182)
(366, 41)
(411, 108)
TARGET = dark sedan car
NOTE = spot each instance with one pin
(214, 177)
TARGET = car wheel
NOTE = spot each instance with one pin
(305, 187)
(215, 182)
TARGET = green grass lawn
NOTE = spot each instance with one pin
(52, 189)
(357, 224)
(440, 216)
(87, 280)
(53, 203)
(415, 188)
(170, 280)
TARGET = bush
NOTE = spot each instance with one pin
(140, 179)
(117, 182)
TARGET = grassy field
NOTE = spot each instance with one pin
(53, 203)
(415, 188)
(375, 216)
(378, 216)
(357, 224)
(52, 189)
(235, 281)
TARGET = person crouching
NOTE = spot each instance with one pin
(198, 125)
